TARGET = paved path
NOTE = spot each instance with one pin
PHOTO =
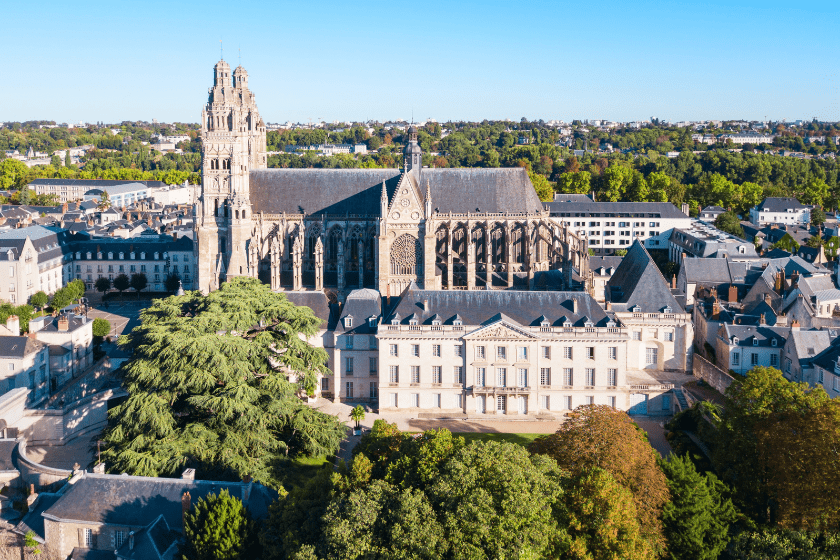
(655, 429)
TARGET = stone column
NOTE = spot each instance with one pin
(450, 261)
(340, 265)
(488, 257)
(361, 259)
(509, 244)
(429, 280)
(319, 265)
(529, 257)
(275, 265)
(297, 259)
(470, 260)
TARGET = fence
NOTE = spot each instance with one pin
(711, 374)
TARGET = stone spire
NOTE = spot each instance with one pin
(428, 200)
(383, 202)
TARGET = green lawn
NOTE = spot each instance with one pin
(521, 439)
(295, 472)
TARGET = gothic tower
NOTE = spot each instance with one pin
(413, 153)
(233, 143)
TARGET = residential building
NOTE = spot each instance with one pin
(24, 362)
(608, 226)
(120, 196)
(826, 370)
(69, 190)
(70, 340)
(703, 240)
(32, 259)
(602, 270)
(741, 347)
(710, 213)
(777, 210)
(801, 349)
(356, 354)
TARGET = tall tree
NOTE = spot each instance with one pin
(139, 282)
(215, 383)
(122, 283)
(729, 223)
(102, 284)
(600, 436)
(698, 516)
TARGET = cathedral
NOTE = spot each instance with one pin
(336, 230)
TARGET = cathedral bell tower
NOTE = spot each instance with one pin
(413, 153)
(233, 143)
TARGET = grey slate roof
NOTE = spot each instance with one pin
(614, 209)
(568, 197)
(808, 344)
(18, 346)
(358, 191)
(765, 335)
(779, 204)
(34, 520)
(597, 263)
(638, 282)
(708, 271)
(316, 301)
(93, 183)
(477, 307)
(361, 305)
(138, 500)
(155, 542)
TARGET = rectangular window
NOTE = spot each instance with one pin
(459, 374)
(394, 350)
(754, 359)
(736, 359)
(459, 351)
(479, 352)
(522, 377)
(637, 335)
(348, 344)
(436, 350)
(374, 390)
(393, 400)
(394, 374)
(88, 534)
(590, 352)
(459, 400)
(774, 360)
(820, 375)
(501, 352)
(480, 377)
(501, 377)
(590, 377)
(372, 363)
(522, 353)
(567, 352)
(415, 400)
(415, 374)
(546, 352)
(348, 366)
(611, 401)
(325, 383)
(612, 377)
(436, 374)
(567, 402)
(651, 355)
(436, 400)
(545, 402)
(590, 400)
(836, 382)
(119, 538)
(568, 377)
(349, 390)
(415, 350)
(545, 376)
(613, 352)
(501, 403)
(669, 337)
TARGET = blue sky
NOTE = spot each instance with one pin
(114, 61)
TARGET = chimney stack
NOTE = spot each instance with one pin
(63, 323)
(426, 304)
(716, 309)
(794, 326)
(13, 324)
(188, 474)
(574, 306)
(762, 320)
(685, 208)
(768, 299)
(733, 293)
(674, 282)
(186, 504)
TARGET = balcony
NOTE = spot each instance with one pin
(501, 390)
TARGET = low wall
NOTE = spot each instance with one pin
(57, 426)
(43, 477)
(711, 374)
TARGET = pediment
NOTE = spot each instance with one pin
(406, 205)
(500, 330)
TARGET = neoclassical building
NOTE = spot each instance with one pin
(342, 229)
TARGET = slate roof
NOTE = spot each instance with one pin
(361, 305)
(827, 359)
(155, 542)
(638, 282)
(34, 520)
(138, 500)
(765, 335)
(93, 183)
(779, 204)
(596, 263)
(477, 307)
(715, 271)
(358, 191)
(7, 446)
(615, 209)
(809, 343)
(316, 301)
(18, 346)
(568, 197)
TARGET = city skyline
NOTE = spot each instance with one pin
(334, 62)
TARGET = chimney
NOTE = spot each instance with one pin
(426, 304)
(63, 323)
(768, 299)
(131, 540)
(762, 320)
(713, 293)
(733, 293)
(778, 283)
(188, 474)
(609, 306)
(782, 278)
(574, 306)
(186, 504)
(13, 324)
(174, 235)
(674, 282)
(716, 309)
(794, 326)
(685, 208)
(64, 208)
(99, 468)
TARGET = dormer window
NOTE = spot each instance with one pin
(348, 322)
(99, 256)
(131, 255)
(78, 256)
(157, 255)
(110, 256)
(412, 322)
(755, 342)
(636, 309)
(611, 324)
(89, 256)
(143, 256)
(735, 341)
(774, 342)
(395, 321)
(122, 255)
(372, 321)
(436, 322)
(457, 322)
(589, 324)
(668, 310)
(544, 324)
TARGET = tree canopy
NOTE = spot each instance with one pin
(215, 384)
(219, 528)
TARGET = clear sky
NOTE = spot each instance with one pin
(114, 61)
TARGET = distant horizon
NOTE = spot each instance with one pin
(461, 61)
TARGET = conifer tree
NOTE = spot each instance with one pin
(698, 516)
(218, 528)
(215, 384)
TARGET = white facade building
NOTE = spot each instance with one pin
(774, 210)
